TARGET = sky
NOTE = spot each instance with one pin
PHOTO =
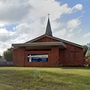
(23, 20)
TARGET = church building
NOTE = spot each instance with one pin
(48, 51)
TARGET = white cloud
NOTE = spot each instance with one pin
(5, 35)
(74, 23)
(5, 39)
(70, 28)
(61, 33)
(78, 7)
(87, 35)
(30, 17)
(13, 10)
(64, 34)
(1, 24)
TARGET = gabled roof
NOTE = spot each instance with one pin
(48, 34)
(52, 37)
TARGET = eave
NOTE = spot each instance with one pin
(40, 44)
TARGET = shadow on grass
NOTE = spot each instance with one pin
(85, 68)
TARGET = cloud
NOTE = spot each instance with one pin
(5, 39)
(30, 16)
(74, 23)
(78, 7)
(5, 35)
(87, 35)
(69, 29)
(1, 24)
(13, 10)
(64, 34)
(61, 32)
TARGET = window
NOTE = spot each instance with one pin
(37, 58)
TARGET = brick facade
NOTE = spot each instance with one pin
(71, 56)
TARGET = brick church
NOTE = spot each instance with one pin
(48, 51)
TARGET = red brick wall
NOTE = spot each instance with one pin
(66, 57)
(53, 57)
(56, 56)
(19, 56)
(46, 39)
(69, 59)
(35, 63)
(15, 55)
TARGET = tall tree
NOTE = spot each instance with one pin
(0, 56)
(85, 49)
(7, 55)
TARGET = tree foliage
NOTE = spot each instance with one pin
(85, 49)
(7, 55)
(86, 53)
(88, 56)
(0, 56)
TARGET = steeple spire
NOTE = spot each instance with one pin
(48, 28)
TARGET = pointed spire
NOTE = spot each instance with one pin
(48, 28)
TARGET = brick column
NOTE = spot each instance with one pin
(19, 56)
(15, 56)
(54, 56)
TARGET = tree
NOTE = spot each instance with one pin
(88, 57)
(7, 55)
(0, 56)
(85, 49)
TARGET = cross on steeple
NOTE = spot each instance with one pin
(48, 28)
(48, 15)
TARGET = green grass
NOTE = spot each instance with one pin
(27, 78)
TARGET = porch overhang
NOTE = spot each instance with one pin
(41, 45)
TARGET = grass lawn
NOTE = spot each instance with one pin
(27, 78)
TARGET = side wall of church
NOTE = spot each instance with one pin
(72, 56)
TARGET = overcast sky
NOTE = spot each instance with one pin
(23, 20)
